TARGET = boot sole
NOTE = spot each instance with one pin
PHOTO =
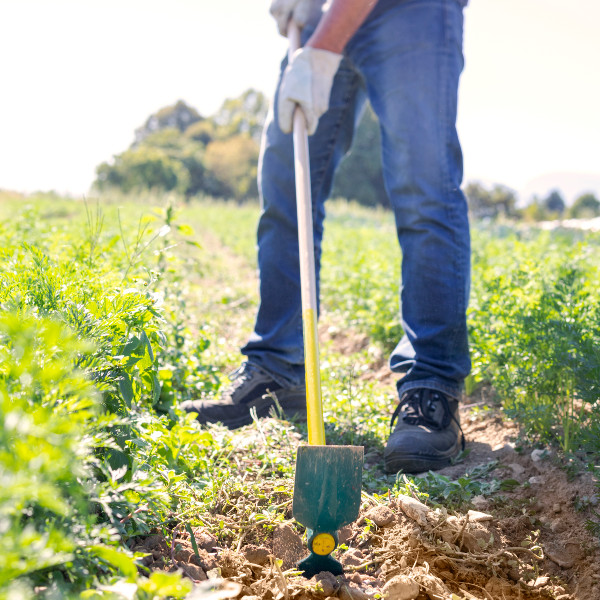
(292, 405)
(417, 463)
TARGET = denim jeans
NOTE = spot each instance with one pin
(406, 58)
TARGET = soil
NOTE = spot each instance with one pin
(528, 540)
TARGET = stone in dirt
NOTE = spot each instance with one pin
(204, 559)
(480, 502)
(349, 591)
(205, 540)
(381, 515)
(352, 558)
(326, 584)
(400, 587)
(195, 572)
(258, 555)
(476, 517)
(287, 546)
(345, 533)
(414, 509)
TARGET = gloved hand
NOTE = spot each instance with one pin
(302, 11)
(307, 81)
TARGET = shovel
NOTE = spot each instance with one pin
(327, 485)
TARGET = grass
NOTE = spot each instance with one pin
(111, 313)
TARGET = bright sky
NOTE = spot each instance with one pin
(78, 76)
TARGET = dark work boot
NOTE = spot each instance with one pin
(427, 433)
(251, 387)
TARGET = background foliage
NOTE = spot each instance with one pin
(177, 149)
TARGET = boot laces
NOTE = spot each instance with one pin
(418, 407)
(240, 377)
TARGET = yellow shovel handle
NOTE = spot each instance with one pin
(316, 429)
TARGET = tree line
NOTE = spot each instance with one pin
(177, 149)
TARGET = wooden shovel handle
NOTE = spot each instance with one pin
(316, 428)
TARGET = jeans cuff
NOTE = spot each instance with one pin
(454, 391)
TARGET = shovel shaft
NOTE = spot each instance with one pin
(316, 429)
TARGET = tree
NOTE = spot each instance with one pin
(243, 115)
(586, 206)
(554, 203)
(178, 116)
(232, 163)
(143, 168)
(484, 203)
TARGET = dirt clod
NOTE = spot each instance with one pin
(287, 546)
(258, 555)
(400, 587)
(326, 584)
(381, 515)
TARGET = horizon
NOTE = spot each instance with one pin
(86, 76)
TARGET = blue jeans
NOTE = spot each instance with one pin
(406, 59)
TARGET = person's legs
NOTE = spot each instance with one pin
(411, 58)
(276, 343)
(275, 350)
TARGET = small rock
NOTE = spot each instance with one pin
(435, 588)
(258, 555)
(414, 509)
(352, 558)
(479, 502)
(205, 540)
(517, 469)
(287, 545)
(195, 572)
(538, 455)
(326, 583)
(536, 480)
(541, 581)
(345, 533)
(558, 526)
(183, 555)
(560, 557)
(350, 591)
(204, 559)
(477, 517)
(400, 587)
(354, 578)
(381, 515)
(556, 507)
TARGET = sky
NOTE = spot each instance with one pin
(77, 77)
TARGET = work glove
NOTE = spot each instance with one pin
(302, 11)
(307, 82)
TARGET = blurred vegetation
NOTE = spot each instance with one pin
(178, 150)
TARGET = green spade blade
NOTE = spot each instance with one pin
(327, 486)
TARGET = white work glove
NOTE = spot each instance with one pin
(302, 11)
(307, 82)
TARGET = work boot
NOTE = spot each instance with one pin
(251, 387)
(427, 433)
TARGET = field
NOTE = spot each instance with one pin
(114, 311)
